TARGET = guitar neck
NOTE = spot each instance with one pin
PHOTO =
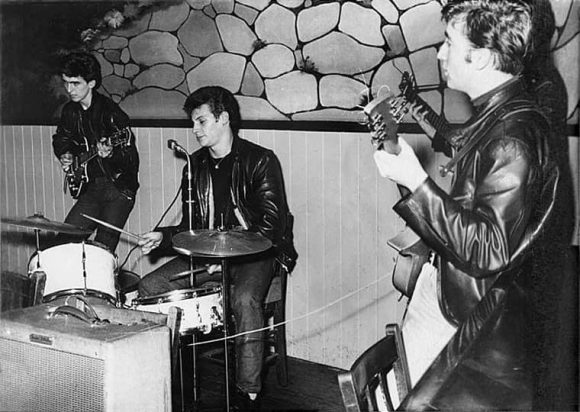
(438, 122)
(117, 139)
(84, 157)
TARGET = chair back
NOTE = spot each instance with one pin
(365, 386)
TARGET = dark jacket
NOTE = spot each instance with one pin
(75, 131)
(258, 190)
(477, 227)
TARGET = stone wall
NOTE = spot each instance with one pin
(292, 59)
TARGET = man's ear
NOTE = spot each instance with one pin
(92, 84)
(482, 58)
(224, 118)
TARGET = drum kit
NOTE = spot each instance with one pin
(90, 269)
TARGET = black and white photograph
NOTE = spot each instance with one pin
(289, 205)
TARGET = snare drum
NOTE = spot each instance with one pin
(201, 308)
(65, 266)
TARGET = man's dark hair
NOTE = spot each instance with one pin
(219, 100)
(81, 64)
(501, 26)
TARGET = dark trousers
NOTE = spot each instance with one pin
(103, 201)
(249, 280)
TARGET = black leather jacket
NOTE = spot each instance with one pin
(477, 227)
(104, 119)
(258, 189)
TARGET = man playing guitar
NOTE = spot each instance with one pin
(97, 151)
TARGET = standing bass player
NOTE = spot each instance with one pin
(97, 151)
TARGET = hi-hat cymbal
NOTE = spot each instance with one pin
(215, 243)
(39, 222)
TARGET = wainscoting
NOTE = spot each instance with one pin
(340, 294)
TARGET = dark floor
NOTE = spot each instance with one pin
(311, 387)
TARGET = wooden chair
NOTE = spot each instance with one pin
(362, 385)
(275, 337)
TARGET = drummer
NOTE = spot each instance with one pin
(236, 183)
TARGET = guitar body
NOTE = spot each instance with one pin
(413, 253)
(76, 176)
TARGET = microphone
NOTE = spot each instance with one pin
(173, 145)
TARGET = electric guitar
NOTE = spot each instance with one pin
(76, 175)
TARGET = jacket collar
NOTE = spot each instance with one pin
(486, 103)
(498, 95)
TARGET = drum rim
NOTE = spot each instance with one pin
(69, 292)
(87, 242)
(172, 295)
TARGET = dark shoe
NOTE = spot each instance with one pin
(242, 402)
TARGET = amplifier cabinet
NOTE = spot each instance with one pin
(61, 363)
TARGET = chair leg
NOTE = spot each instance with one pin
(280, 344)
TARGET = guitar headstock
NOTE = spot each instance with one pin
(120, 137)
(408, 87)
(384, 114)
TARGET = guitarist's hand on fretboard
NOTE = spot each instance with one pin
(403, 168)
(104, 148)
(66, 159)
(419, 113)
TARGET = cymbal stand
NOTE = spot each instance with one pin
(225, 303)
(37, 234)
(84, 261)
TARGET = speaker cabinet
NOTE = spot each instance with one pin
(61, 363)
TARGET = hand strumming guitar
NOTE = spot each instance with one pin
(403, 168)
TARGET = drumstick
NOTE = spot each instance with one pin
(113, 227)
(187, 273)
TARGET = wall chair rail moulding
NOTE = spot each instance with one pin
(292, 64)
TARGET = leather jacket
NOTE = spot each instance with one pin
(257, 188)
(477, 228)
(78, 128)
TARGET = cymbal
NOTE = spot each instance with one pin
(215, 243)
(39, 222)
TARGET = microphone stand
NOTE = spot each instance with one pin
(192, 281)
(173, 145)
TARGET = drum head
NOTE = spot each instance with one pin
(177, 295)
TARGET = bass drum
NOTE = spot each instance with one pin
(67, 265)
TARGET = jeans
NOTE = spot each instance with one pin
(250, 278)
(103, 201)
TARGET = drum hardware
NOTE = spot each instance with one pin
(84, 260)
(38, 222)
(222, 244)
(85, 268)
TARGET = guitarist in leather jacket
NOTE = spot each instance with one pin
(93, 122)
(497, 206)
